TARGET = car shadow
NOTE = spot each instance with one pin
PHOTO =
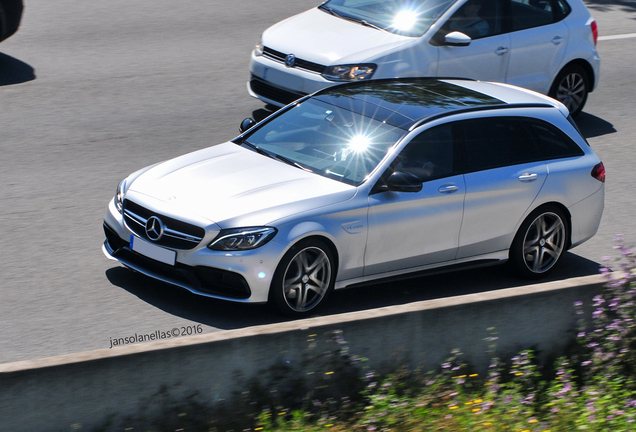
(602, 5)
(14, 71)
(592, 126)
(228, 315)
(262, 113)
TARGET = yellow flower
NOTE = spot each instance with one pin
(454, 407)
(478, 401)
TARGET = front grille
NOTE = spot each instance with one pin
(176, 235)
(268, 91)
(299, 63)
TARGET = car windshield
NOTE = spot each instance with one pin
(345, 143)
(408, 18)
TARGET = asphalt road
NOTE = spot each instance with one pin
(91, 91)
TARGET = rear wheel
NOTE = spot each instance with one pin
(303, 279)
(540, 242)
(571, 88)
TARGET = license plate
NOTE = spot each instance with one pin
(284, 80)
(149, 250)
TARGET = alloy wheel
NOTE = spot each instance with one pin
(572, 91)
(306, 279)
(544, 242)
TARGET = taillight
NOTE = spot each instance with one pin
(598, 172)
(594, 31)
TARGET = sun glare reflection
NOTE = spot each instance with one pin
(359, 143)
(405, 20)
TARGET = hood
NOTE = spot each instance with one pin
(233, 186)
(322, 38)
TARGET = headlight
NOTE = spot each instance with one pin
(258, 49)
(119, 195)
(353, 72)
(239, 239)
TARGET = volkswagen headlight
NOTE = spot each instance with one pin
(258, 49)
(352, 72)
(239, 239)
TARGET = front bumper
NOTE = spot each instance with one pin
(274, 83)
(235, 276)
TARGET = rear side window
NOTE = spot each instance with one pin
(496, 142)
(552, 143)
(534, 13)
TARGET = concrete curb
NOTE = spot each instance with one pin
(91, 385)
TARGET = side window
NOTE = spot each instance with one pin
(430, 155)
(552, 143)
(476, 18)
(531, 13)
(496, 142)
(561, 9)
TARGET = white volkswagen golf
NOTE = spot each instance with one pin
(361, 182)
(544, 45)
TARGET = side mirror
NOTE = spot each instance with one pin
(401, 181)
(246, 124)
(457, 39)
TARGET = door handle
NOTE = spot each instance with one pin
(446, 189)
(501, 51)
(528, 177)
(557, 40)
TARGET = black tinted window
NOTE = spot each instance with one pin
(496, 142)
(476, 18)
(429, 155)
(531, 13)
(553, 143)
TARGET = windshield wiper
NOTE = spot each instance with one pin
(290, 162)
(258, 149)
(274, 156)
(329, 10)
(349, 18)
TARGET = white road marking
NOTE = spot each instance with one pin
(623, 36)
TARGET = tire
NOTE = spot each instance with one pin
(571, 88)
(303, 279)
(540, 242)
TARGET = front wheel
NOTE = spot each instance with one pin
(303, 279)
(540, 242)
(571, 88)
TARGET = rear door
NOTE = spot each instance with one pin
(503, 176)
(538, 42)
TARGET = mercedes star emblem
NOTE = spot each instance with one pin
(154, 228)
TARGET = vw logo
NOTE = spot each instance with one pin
(290, 60)
(154, 228)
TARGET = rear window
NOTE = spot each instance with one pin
(496, 142)
(552, 143)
